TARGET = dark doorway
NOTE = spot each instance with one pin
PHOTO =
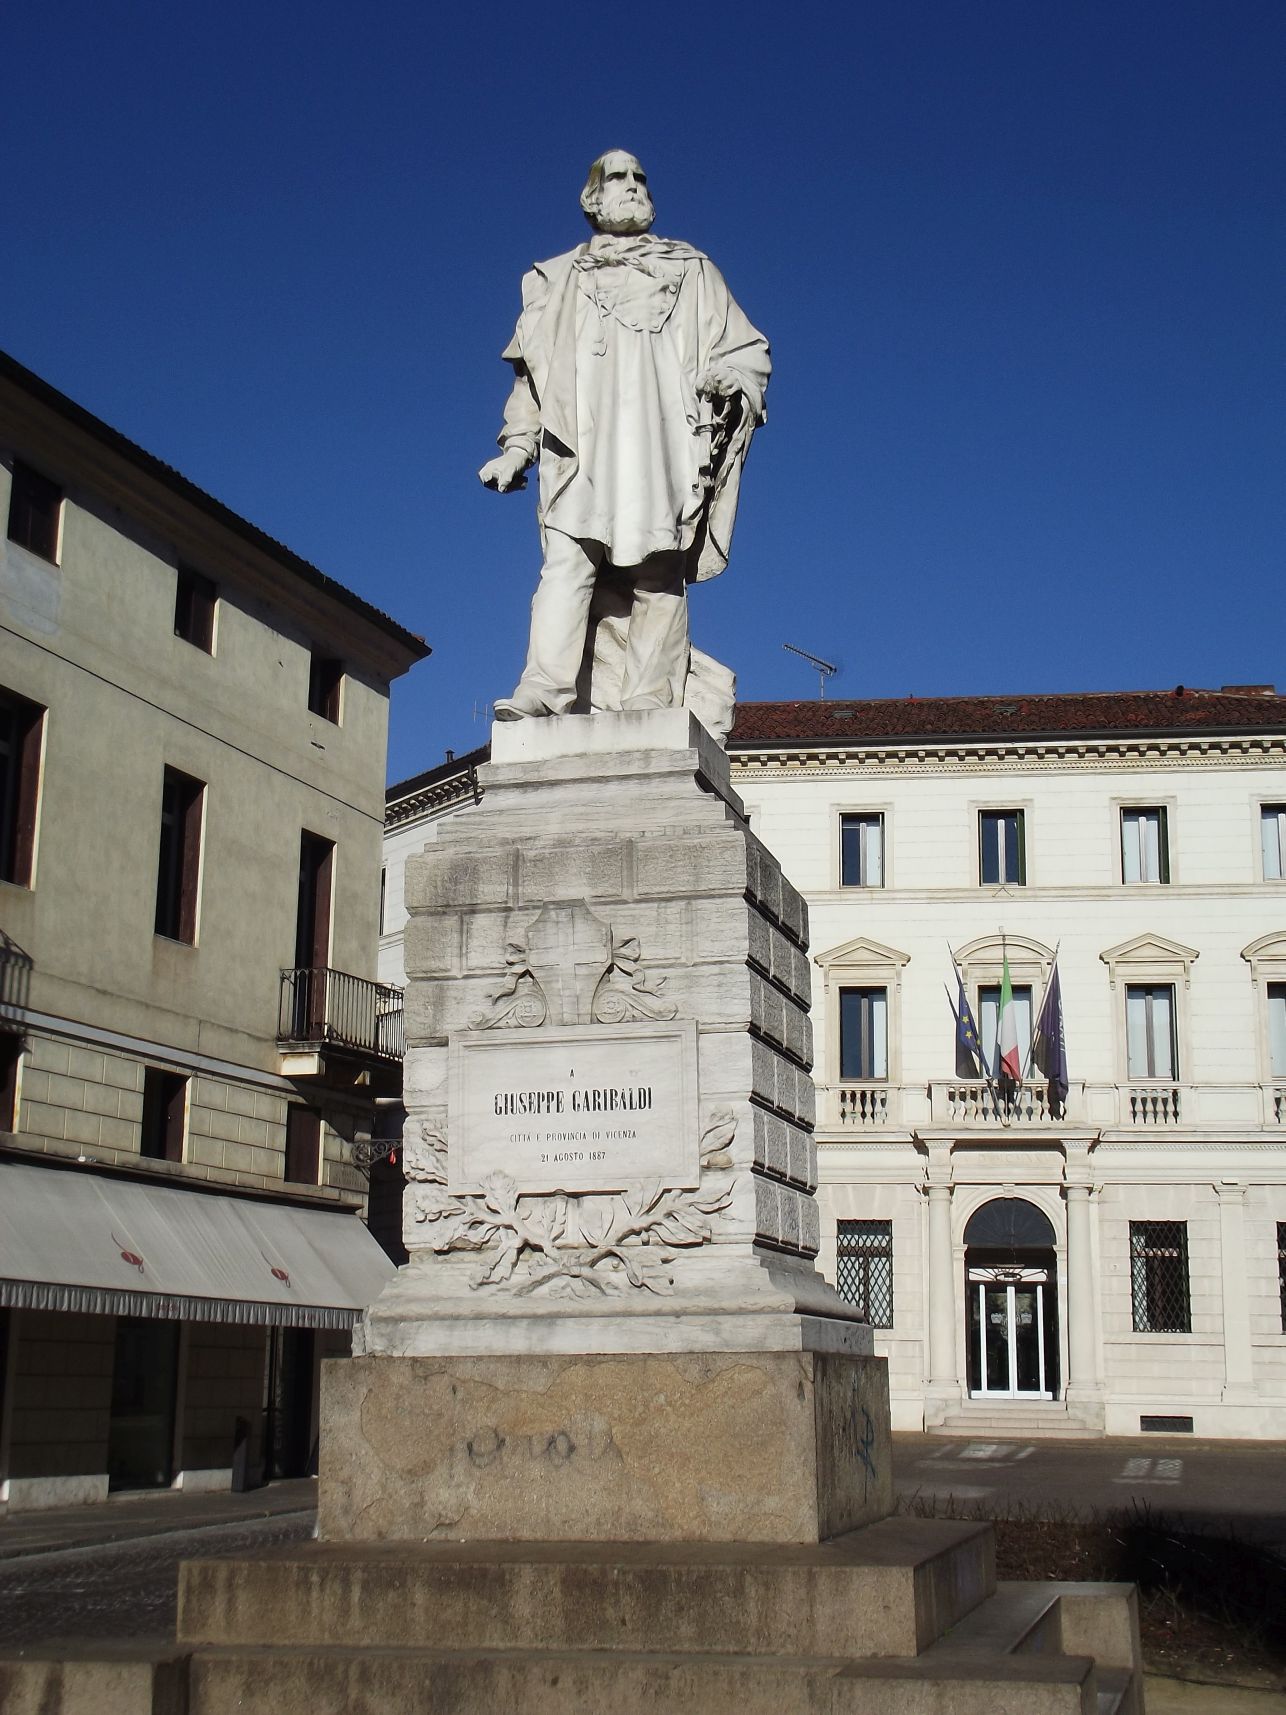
(312, 935)
(1011, 1301)
(140, 1437)
(312, 921)
(288, 1406)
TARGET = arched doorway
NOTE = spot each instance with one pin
(1011, 1297)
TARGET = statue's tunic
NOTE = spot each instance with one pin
(609, 347)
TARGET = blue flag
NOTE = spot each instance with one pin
(969, 1060)
(1049, 1041)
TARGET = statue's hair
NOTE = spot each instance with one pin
(591, 196)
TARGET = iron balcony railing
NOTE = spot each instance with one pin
(319, 1005)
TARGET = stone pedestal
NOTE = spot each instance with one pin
(609, 1440)
(723, 1447)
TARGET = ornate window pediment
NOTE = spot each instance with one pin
(1150, 957)
(1267, 956)
(862, 959)
(981, 960)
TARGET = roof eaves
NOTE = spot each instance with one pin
(180, 485)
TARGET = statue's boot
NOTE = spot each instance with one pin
(518, 707)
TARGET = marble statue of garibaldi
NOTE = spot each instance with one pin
(638, 383)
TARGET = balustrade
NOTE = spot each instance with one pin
(1151, 1104)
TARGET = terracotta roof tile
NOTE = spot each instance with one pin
(1011, 717)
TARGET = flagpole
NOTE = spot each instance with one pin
(1036, 1016)
(975, 1053)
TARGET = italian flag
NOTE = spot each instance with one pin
(1011, 1065)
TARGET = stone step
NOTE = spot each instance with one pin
(100, 1678)
(889, 1589)
(1022, 1423)
(1056, 1620)
(348, 1681)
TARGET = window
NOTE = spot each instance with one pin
(1272, 836)
(34, 507)
(989, 1025)
(864, 1268)
(165, 1101)
(1281, 1269)
(864, 1033)
(10, 1058)
(1145, 845)
(1002, 851)
(861, 851)
(194, 598)
(1159, 1277)
(383, 895)
(1151, 1049)
(179, 868)
(21, 724)
(303, 1144)
(1277, 1031)
(325, 677)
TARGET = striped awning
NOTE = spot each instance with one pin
(73, 1239)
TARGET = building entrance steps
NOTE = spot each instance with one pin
(1004, 1417)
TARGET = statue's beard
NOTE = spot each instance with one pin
(619, 212)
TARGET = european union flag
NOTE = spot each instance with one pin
(969, 1060)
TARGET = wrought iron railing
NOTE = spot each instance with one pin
(320, 1005)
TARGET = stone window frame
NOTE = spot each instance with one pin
(1168, 804)
(1026, 808)
(863, 963)
(884, 810)
(1266, 957)
(1258, 805)
(982, 961)
(1155, 961)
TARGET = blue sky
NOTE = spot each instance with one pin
(1021, 266)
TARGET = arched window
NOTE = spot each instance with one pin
(1009, 1223)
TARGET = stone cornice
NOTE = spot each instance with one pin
(1033, 755)
(441, 795)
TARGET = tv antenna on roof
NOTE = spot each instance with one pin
(825, 669)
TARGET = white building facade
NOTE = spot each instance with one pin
(1116, 1266)
(1115, 1263)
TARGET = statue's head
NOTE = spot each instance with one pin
(616, 198)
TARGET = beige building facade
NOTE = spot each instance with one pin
(1111, 1263)
(193, 727)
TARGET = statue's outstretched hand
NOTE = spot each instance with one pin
(718, 382)
(504, 473)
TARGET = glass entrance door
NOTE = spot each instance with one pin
(1007, 1333)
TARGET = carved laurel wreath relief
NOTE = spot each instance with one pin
(570, 968)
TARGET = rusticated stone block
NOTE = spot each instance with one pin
(587, 870)
(444, 876)
(691, 866)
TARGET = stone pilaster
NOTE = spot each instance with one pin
(943, 1383)
(1239, 1363)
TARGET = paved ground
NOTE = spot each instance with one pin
(108, 1572)
(111, 1571)
(1236, 1485)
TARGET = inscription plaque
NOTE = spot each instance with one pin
(579, 1108)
